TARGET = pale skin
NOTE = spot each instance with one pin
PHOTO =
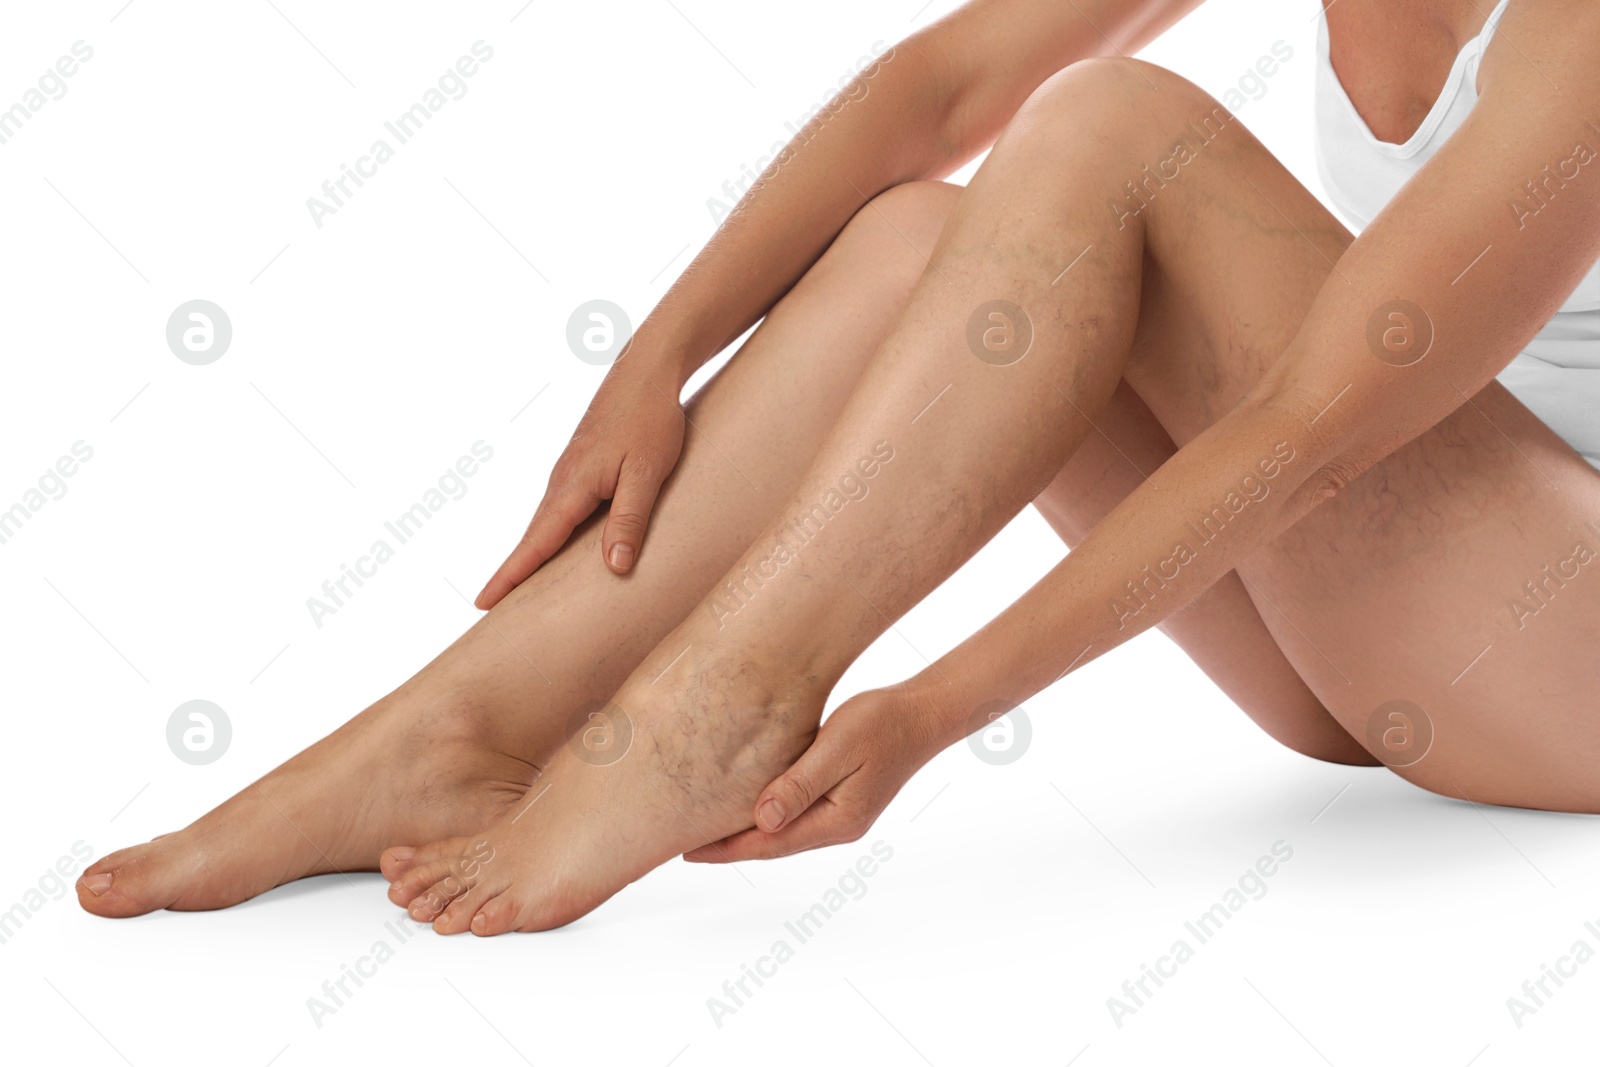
(1217, 333)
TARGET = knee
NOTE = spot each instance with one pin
(1112, 99)
(913, 212)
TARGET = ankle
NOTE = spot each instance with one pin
(740, 664)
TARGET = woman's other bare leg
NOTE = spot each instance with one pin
(460, 741)
(1220, 629)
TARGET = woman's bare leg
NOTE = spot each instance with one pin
(459, 742)
(1220, 629)
(1189, 290)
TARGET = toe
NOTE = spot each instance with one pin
(498, 915)
(419, 880)
(427, 905)
(457, 918)
(430, 864)
(396, 861)
(129, 882)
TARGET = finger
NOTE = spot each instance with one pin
(562, 509)
(817, 827)
(637, 488)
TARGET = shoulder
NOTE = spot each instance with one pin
(1545, 52)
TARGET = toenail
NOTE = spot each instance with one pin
(95, 883)
(478, 922)
(402, 854)
(771, 815)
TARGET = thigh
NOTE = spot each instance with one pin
(1220, 630)
(1445, 606)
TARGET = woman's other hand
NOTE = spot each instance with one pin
(623, 449)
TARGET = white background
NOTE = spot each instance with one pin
(422, 317)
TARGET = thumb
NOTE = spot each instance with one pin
(821, 767)
(631, 504)
(794, 812)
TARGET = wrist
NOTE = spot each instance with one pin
(956, 702)
(660, 354)
(940, 709)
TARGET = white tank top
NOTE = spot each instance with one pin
(1558, 375)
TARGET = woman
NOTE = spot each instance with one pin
(1374, 547)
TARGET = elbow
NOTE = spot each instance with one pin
(1331, 476)
(1330, 472)
(1332, 464)
(1329, 453)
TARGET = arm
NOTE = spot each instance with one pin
(926, 107)
(1415, 250)
(1324, 413)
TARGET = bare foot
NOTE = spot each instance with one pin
(672, 766)
(409, 768)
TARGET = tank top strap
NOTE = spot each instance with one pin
(1490, 25)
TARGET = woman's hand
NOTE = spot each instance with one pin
(866, 750)
(623, 449)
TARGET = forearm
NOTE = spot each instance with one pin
(884, 128)
(927, 105)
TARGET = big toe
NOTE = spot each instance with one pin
(129, 882)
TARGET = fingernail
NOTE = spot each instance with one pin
(770, 815)
(621, 556)
(402, 853)
(95, 883)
